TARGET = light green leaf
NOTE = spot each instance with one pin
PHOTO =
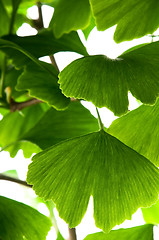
(144, 232)
(19, 221)
(139, 130)
(42, 84)
(151, 214)
(43, 44)
(56, 126)
(120, 179)
(70, 16)
(14, 125)
(87, 30)
(4, 20)
(127, 15)
(106, 81)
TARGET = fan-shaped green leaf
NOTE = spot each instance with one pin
(70, 15)
(88, 29)
(97, 164)
(127, 15)
(144, 232)
(151, 214)
(14, 125)
(106, 82)
(19, 221)
(42, 84)
(139, 130)
(56, 126)
(43, 44)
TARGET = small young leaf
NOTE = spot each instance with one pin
(42, 84)
(106, 82)
(56, 126)
(120, 179)
(144, 232)
(19, 221)
(134, 18)
(139, 130)
(70, 16)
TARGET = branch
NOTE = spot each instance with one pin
(15, 180)
(14, 106)
(72, 234)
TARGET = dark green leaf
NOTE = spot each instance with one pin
(4, 20)
(70, 16)
(43, 44)
(151, 215)
(139, 130)
(56, 126)
(144, 232)
(14, 125)
(106, 82)
(134, 18)
(42, 84)
(19, 221)
(120, 179)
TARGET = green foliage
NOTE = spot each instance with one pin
(41, 81)
(144, 232)
(87, 76)
(139, 130)
(134, 18)
(94, 162)
(41, 113)
(19, 221)
(78, 121)
(70, 15)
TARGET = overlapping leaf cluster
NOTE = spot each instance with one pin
(117, 166)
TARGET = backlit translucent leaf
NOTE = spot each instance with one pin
(151, 214)
(106, 81)
(56, 126)
(70, 15)
(19, 221)
(144, 232)
(134, 18)
(87, 30)
(43, 44)
(139, 130)
(97, 164)
(14, 125)
(42, 84)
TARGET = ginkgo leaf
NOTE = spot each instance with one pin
(151, 214)
(19, 221)
(106, 82)
(144, 232)
(42, 84)
(120, 179)
(134, 18)
(14, 125)
(139, 130)
(43, 44)
(70, 15)
(56, 126)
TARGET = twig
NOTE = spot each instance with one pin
(53, 61)
(72, 234)
(14, 106)
(15, 180)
